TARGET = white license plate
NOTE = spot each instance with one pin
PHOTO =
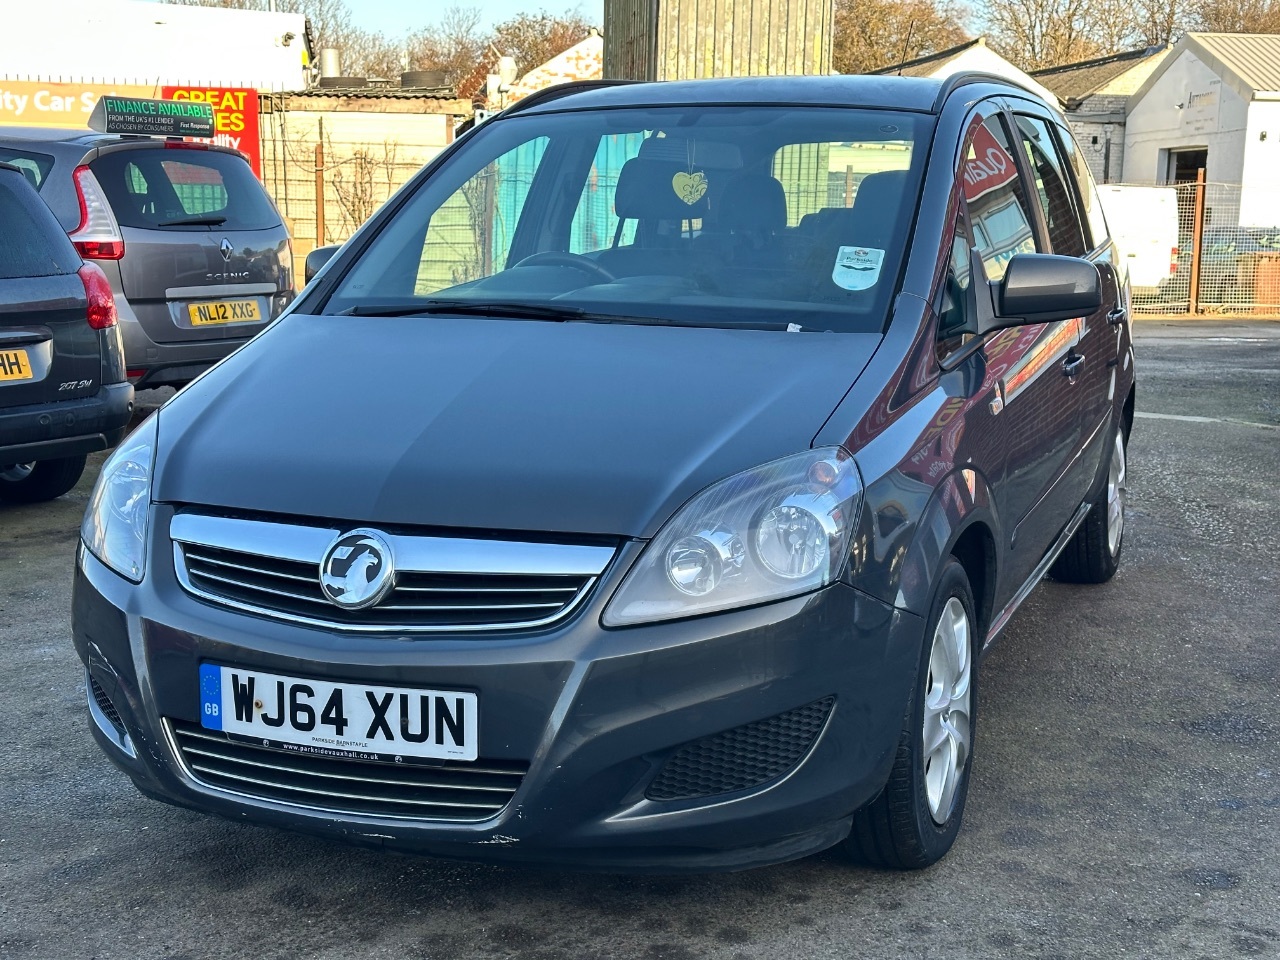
(339, 719)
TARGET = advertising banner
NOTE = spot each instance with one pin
(235, 117)
(34, 103)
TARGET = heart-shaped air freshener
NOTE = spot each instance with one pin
(690, 187)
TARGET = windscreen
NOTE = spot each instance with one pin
(183, 189)
(717, 215)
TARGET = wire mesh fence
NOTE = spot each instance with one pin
(1211, 248)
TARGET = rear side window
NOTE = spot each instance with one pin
(1088, 190)
(183, 189)
(34, 166)
(1065, 236)
(32, 243)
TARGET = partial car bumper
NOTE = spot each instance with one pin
(65, 428)
(722, 742)
(154, 364)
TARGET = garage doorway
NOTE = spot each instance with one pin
(1183, 164)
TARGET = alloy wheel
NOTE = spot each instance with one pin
(1116, 495)
(947, 710)
(17, 473)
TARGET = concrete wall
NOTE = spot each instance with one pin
(1188, 106)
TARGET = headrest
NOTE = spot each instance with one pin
(752, 201)
(647, 190)
(877, 205)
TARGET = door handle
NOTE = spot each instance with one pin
(1117, 316)
(1073, 364)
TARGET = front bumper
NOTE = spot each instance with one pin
(65, 428)
(595, 713)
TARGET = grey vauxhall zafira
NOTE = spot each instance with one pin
(639, 489)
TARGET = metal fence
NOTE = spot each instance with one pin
(1227, 259)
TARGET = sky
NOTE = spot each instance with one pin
(396, 16)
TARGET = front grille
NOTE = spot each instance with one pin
(418, 600)
(104, 703)
(441, 583)
(743, 757)
(451, 790)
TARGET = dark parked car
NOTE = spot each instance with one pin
(63, 393)
(195, 250)
(640, 488)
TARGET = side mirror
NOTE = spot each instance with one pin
(1041, 287)
(316, 259)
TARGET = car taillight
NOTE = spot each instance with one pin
(184, 145)
(101, 312)
(98, 236)
(1173, 261)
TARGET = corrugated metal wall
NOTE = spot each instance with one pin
(692, 39)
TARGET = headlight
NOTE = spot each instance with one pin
(776, 531)
(115, 525)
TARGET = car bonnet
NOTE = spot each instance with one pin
(572, 428)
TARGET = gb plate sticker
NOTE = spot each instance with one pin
(857, 268)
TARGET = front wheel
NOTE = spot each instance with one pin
(37, 482)
(915, 819)
(1093, 553)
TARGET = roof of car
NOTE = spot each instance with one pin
(918, 94)
(79, 136)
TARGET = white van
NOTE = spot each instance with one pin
(1144, 225)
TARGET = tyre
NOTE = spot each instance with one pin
(37, 482)
(915, 819)
(1093, 554)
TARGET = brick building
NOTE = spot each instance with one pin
(1094, 95)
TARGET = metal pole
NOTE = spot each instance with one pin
(1197, 234)
(848, 185)
(320, 185)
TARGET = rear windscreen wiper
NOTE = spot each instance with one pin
(195, 222)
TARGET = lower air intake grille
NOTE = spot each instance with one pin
(104, 703)
(453, 790)
(743, 757)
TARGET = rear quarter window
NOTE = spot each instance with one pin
(34, 166)
(32, 243)
(183, 189)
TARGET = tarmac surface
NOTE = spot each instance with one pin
(1125, 803)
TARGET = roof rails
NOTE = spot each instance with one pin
(966, 77)
(548, 94)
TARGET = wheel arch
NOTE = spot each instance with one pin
(959, 520)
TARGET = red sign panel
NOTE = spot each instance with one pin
(988, 167)
(235, 117)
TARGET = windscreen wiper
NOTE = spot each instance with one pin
(527, 311)
(195, 222)
(465, 308)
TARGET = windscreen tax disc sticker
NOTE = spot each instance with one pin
(857, 268)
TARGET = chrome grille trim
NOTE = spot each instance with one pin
(463, 792)
(445, 585)
(435, 554)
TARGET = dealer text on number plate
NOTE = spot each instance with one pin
(316, 716)
(15, 365)
(224, 311)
